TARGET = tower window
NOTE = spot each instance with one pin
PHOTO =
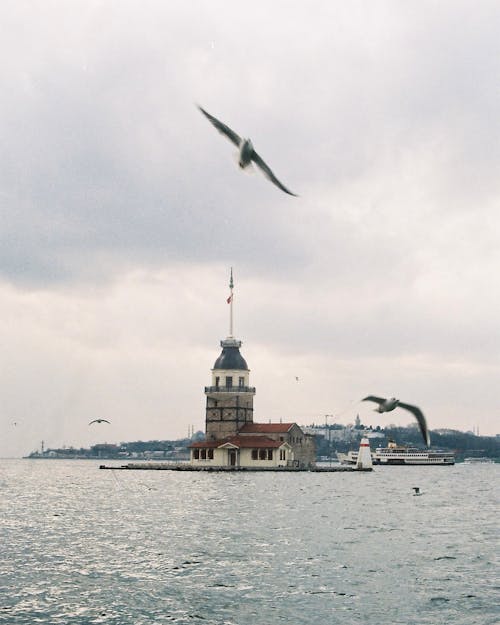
(229, 381)
(217, 382)
(241, 382)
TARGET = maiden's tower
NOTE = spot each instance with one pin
(232, 439)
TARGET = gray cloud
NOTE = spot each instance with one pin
(383, 118)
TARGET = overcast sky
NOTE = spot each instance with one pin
(123, 209)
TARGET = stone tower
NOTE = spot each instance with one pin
(230, 396)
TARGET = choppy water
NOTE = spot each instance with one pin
(83, 546)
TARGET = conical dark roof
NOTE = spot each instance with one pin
(230, 357)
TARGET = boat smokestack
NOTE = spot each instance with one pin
(364, 456)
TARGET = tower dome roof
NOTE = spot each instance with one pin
(230, 357)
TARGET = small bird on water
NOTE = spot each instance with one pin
(99, 421)
(386, 405)
(417, 491)
(246, 152)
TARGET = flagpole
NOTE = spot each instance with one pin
(231, 284)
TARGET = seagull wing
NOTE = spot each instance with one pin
(94, 421)
(104, 421)
(419, 416)
(225, 130)
(269, 174)
(379, 400)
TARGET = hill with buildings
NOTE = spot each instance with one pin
(336, 437)
(329, 439)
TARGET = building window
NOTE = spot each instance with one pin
(282, 454)
(196, 454)
(203, 454)
(241, 382)
(269, 454)
(281, 439)
(255, 454)
(217, 382)
(262, 454)
(210, 454)
(229, 381)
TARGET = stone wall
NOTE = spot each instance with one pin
(226, 414)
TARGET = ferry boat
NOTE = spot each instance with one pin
(395, 454)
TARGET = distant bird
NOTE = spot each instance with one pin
(417, 490)
(386, 405)
(99, 421)
(246, 152)
(296, 379)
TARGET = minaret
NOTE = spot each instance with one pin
(229, 398)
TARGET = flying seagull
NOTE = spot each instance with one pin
(386, 405)
(246, 152)
(99, 421)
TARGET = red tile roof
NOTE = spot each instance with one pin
(205, 444)
(265, 428)
(255, 442)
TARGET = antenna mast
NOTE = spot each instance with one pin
(230, 302)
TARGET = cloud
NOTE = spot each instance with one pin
(119, 201)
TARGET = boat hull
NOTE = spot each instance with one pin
(402, 456)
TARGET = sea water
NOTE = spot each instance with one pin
(79, 545)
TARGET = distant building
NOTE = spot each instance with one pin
(343, 434)
(232, 438)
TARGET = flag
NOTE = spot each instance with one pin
(229, 298)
